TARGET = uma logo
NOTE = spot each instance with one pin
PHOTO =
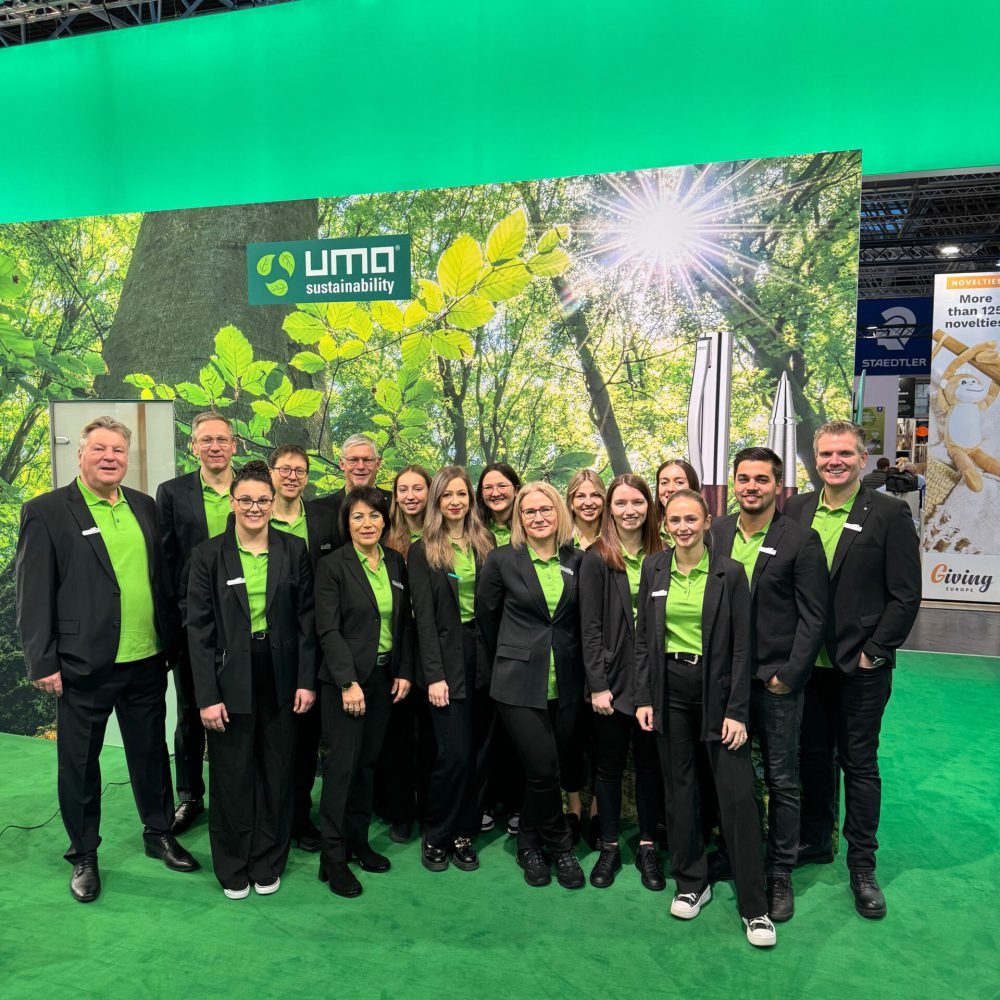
(286, 262)
(331, 263)
(897, 328)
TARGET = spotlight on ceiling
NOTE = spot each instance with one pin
(949, 250)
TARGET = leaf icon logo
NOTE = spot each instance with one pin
(287, 262)
(279, 287)
(264, 265)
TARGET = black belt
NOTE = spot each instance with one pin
(383, 659)
(258, 636)
(692, 658)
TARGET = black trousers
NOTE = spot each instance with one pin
(250, 781)
(353, 743)
(503, 776)
(733, 774)
(136, 692)
(189, 733)
(307, 732)
(404, 766)
(453, 803)
(615, 733)
(843, 711)
(538, 735)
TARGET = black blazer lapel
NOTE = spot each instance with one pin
(771, 541)
(88, 528)
(522, 557)
(659, 588)
(196, 503)
(356, 570)
(710, 607)
(234, 569)
(859, 512)
(567, 556)
(724, 535)
(277, 558)
(621, 585)
(392, 571)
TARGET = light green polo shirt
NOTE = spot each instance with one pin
(746, 550)
(465, 571)
(415, 536)
(126, 545)
(684, 603)
(296, 527)
(217, 508)
(255, 575)
(501, 532)
(378, 578)
(550, 576)
(829, 525)
(633, 570)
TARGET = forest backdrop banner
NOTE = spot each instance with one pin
(553, 324)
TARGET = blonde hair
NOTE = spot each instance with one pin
(564, 526)
(579, 478)
(108, 424)
(437, 542)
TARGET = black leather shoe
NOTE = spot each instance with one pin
(780, 898)
(569, 874)
(650, 870)
(463, 855)
(434, 859)
(609, 864)
(85, 882)
(574, 827)
(370, 861)
(307, 837)
(400, 833)
(537, 871)
(719, 868)
(868, 898)
(185, 814)
(343, 882)
(166, 849)
(815, 854)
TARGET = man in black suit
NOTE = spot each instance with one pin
(788, 592)
(873, 555)
(98, 626)
(360, 462)
(191, 509)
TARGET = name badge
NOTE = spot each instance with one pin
(853, 527)
(767, 551)
(566, 570)
(658, 593)
(90, 531)
(232, 583)
(324, 546)
(396, 583)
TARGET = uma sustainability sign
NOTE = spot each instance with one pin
(367, 268)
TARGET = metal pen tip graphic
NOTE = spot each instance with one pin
(781, 434)
(708, 417)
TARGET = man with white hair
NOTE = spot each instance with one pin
(360, 462)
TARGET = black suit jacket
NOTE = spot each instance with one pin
(183, 525)
(874, 580)
(68, 598)
(335, 501)
(788, 595)
(438, 621)
(321, 527)
(347, 618)
(218, 620)
(519, 632)
(725, 638)
(608, 631)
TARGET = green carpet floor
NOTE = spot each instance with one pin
(414, 934)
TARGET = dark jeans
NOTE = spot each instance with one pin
(733, 776)
(250, 781)
(136, 693)
(843, 711)
(538, 735)
(189, 734)
(614, 734)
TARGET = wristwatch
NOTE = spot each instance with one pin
(878, 661)
(350, 684)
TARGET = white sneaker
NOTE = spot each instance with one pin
(687, 905)
(266, 888)
(513, 824)
(760, 931)
(486, 823)
(238, 893)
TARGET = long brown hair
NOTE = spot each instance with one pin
(692, 478)
(579, 478)
(437, 543)
(609, 545)
(399, 531)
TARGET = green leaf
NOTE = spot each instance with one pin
(303, 328)
(410, 433)
(303, 403)
(264, 408)
(504, 281)
(280, 395)
(552, 238)
(259, 425)
(193, 394)
(165, 392)
(382, 420)
(317, 309)
(416, 349)
(423, 391)
(388, 316)
(278, 288)
(15, 343)
(256, 375)
(211, 381)
(12, 283)
(146, 394)
(549, 264)
(415, 314)
(387, 395)
(140, 381)
(459, 266)
(380, 438)
(307, 361)
(338, 315)
(233, 350)
(411, 417)
(351, 349)
(430, 294)
(470, 312)
(287, 263)
(95, 363)
(507, 237)
(327, 348)
(361, 325)
(453, 345)
(264, 265)
(574, 460)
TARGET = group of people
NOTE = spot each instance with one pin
(461, 648)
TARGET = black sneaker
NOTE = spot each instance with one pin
(537, 871)
(569, 874)
(513, 824)
(650, 872)
(687, 905)
(760, 932)
(609, 864)
(780, 898)
(463, 855)
(868, 898)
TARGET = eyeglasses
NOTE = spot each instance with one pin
(262, 503)
(360, 461)
(288, 471)
(496, 490)
(222, 441)
(374, 517)
(530, 513)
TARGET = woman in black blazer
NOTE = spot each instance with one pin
(445, 567)
(692, 685)
(609, 583)
(364, 625)
(253, 657)
(529, 619)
